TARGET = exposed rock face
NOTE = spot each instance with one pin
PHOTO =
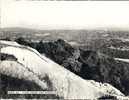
(87, 64)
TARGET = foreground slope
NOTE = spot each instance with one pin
(88, 64)
(32, 66)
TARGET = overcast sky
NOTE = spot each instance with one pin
(64, 14)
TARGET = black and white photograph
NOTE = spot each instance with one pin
(67, 50)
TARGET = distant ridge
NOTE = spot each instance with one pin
(67, 29)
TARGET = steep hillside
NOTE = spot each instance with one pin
(87, 64)
(31, 66)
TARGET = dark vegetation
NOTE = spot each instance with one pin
(4, 56)
(88, 64)
(107, 97)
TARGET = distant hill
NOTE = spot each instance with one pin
(81, 36)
